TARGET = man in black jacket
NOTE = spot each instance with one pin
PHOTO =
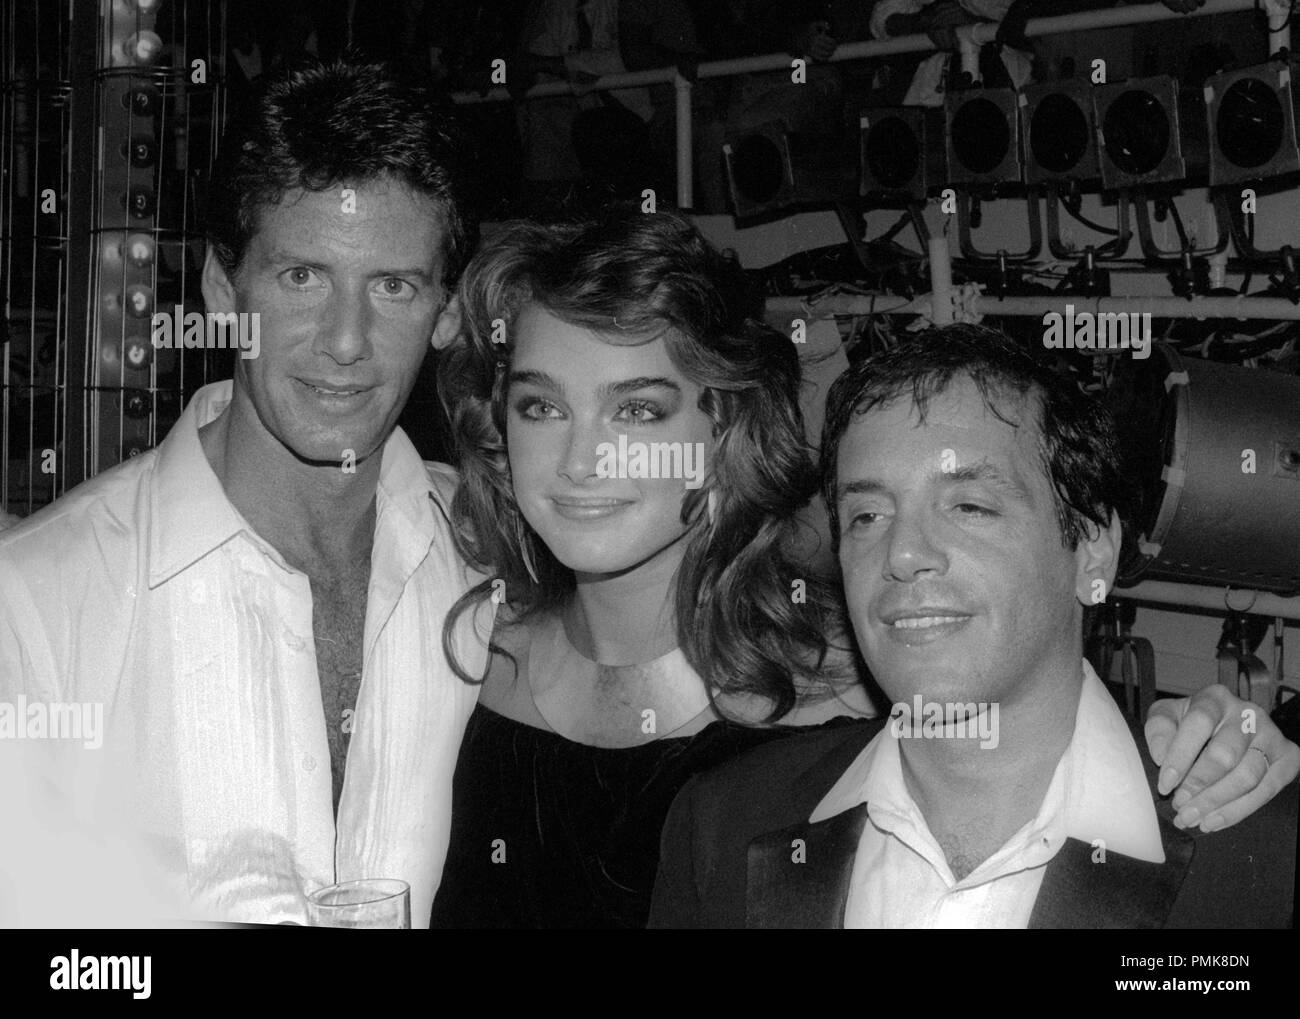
(976, 497)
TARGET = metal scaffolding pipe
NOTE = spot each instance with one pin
(1224, 600)
(685, 144)
(941, 276)
(920, 43)
(1243, 308)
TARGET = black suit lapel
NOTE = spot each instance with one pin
(1120, 893)
(803, 884)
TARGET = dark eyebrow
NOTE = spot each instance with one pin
(982, 471)
(865, 486)
(282, 256)
(422, 275)
(534, 378)
(632, 385)
(988, 473)
(545, 381)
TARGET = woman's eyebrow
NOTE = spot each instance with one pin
(626, 386)
(532, 377)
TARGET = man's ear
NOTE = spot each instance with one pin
(1096, 561)
(218, 292)
(447, 328)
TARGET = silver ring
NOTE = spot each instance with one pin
(1255, 748)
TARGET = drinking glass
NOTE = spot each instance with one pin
(371, 903)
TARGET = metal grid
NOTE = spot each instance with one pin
(112, 113)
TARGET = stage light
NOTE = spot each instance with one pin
(142, 150)
(759, 171)
(140, 250)
(137, 353)
(1150, 132)
(142, 100)
(137, 404)
(983, 137)
(768, 170)
(110, 252)
(901, 152)
(1252, 121)
(142, 48)
(1060, 139)
(140, 203)
(1192, 428)
(139, 301)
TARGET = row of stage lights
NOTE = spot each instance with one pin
(1241, 128)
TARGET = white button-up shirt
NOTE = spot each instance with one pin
(145, 591)
(901, 878)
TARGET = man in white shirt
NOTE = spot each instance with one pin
(976, 497)
(256, 607)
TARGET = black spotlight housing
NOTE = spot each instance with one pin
(983, 136)
(769, 170)
(901, 151)
(1060, 136)
(760, 172)
(1252, 123)
(1149, 132)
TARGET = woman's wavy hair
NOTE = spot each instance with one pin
(632, 277)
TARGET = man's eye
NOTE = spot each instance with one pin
(974, 509)
(395, 287)
(639, 412)
(300, 277)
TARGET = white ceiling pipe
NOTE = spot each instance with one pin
(1244, 308)
(1217, 599)
(920, 43)
(1279, 25)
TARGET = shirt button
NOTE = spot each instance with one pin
(309, 763)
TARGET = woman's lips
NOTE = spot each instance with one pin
(572, 508)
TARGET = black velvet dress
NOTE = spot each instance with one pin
(549, 833)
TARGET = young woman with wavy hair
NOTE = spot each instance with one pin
(649, 627)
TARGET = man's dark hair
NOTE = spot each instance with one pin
(1077, 438)
(317, 125)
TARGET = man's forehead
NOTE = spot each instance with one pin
(409, 224)
(956, 429)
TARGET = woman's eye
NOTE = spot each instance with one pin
(640, 412)
(537, 409)
(863, 519)
(974, 509)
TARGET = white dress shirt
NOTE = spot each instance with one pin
(146, 591)
(901, 878)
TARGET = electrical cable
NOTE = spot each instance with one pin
(1074, 209)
